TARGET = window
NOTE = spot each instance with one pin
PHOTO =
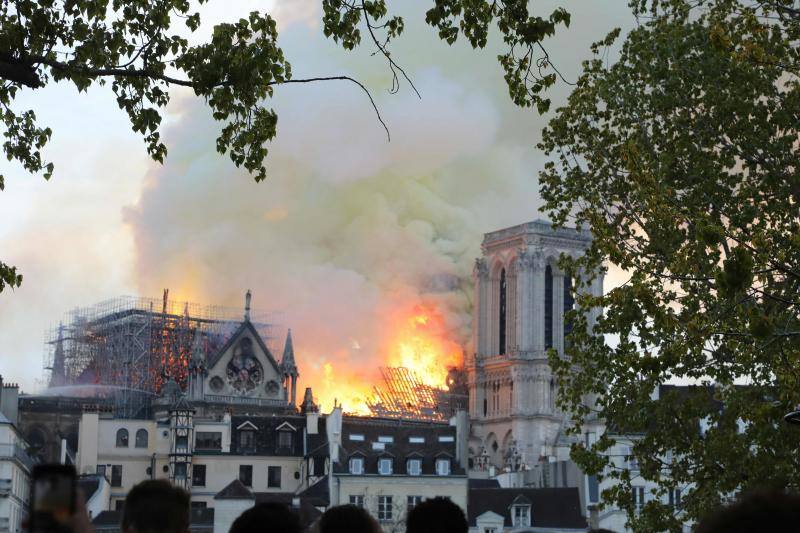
(385, 466)
(447, 438)
(521, 516)
(384, 507)
(356, 436)
(594, 488)
(378, 446)
(633, 463)
(548, 307)
(141, 438)
(199, 475)
(246, 475)
(502, 307)
(442, 467)
(675, 499)
(412, 502)
(638, 497)
(357, 500)
(180, 470)
(569, 303)
(101, 470)
(285, 439)
(414, 467)
(357, 465)
(181, 443)
(119, 505)
(208, 440)
(122, 438)
(416, 440)
(490, 530)
(386, 438)
(247, 441)
(116, 475)
(274, 477)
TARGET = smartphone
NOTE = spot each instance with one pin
(53, 497)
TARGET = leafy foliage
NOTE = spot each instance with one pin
(137, 48)
(682, 158)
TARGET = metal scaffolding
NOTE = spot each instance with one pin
(127, 347)
(405, 396)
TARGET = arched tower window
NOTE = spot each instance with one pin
(569, 303)
(548, 307)
(122, 438)
(141, 438)
(502, 322)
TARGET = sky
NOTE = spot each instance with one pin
(350, 236)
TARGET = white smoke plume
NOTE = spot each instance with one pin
(350, 233)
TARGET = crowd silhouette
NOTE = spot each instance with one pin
(156, 506)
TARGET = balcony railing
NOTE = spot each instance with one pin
(244, 400)
(15, 451)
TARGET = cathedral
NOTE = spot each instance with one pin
(520, 300)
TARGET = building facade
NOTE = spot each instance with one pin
(520, 300)
(389, 466)
(15, 464)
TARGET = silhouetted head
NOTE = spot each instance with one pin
(347, 519)
(436, 515)
(760, 510)
(270, 516)
(156, 506)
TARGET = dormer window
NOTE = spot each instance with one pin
(385, 466)
(443, 467)
(414, 466)
(357, 465)
(521, 515)
(284, 439)
(247, 440)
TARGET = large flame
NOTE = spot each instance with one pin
(416, 337)
(421, 343)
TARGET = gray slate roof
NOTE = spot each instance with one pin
(550, 508)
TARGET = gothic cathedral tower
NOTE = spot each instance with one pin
(520, 300)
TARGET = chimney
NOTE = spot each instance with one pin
(9, 401)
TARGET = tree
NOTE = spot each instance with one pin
(682, 158)
(136, 47)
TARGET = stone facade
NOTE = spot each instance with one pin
(520, 300)
(15, 464)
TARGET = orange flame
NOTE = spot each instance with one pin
(422, 344)
(418, 338)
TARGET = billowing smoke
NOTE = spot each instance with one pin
(351, 235)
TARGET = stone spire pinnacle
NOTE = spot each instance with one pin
(198, 353)
(288, 364)
(58, 374)
(247, 298)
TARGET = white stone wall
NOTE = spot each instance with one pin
(226, 511)
(399, 488)
(13, 507)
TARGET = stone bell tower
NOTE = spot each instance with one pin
(520, 299)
